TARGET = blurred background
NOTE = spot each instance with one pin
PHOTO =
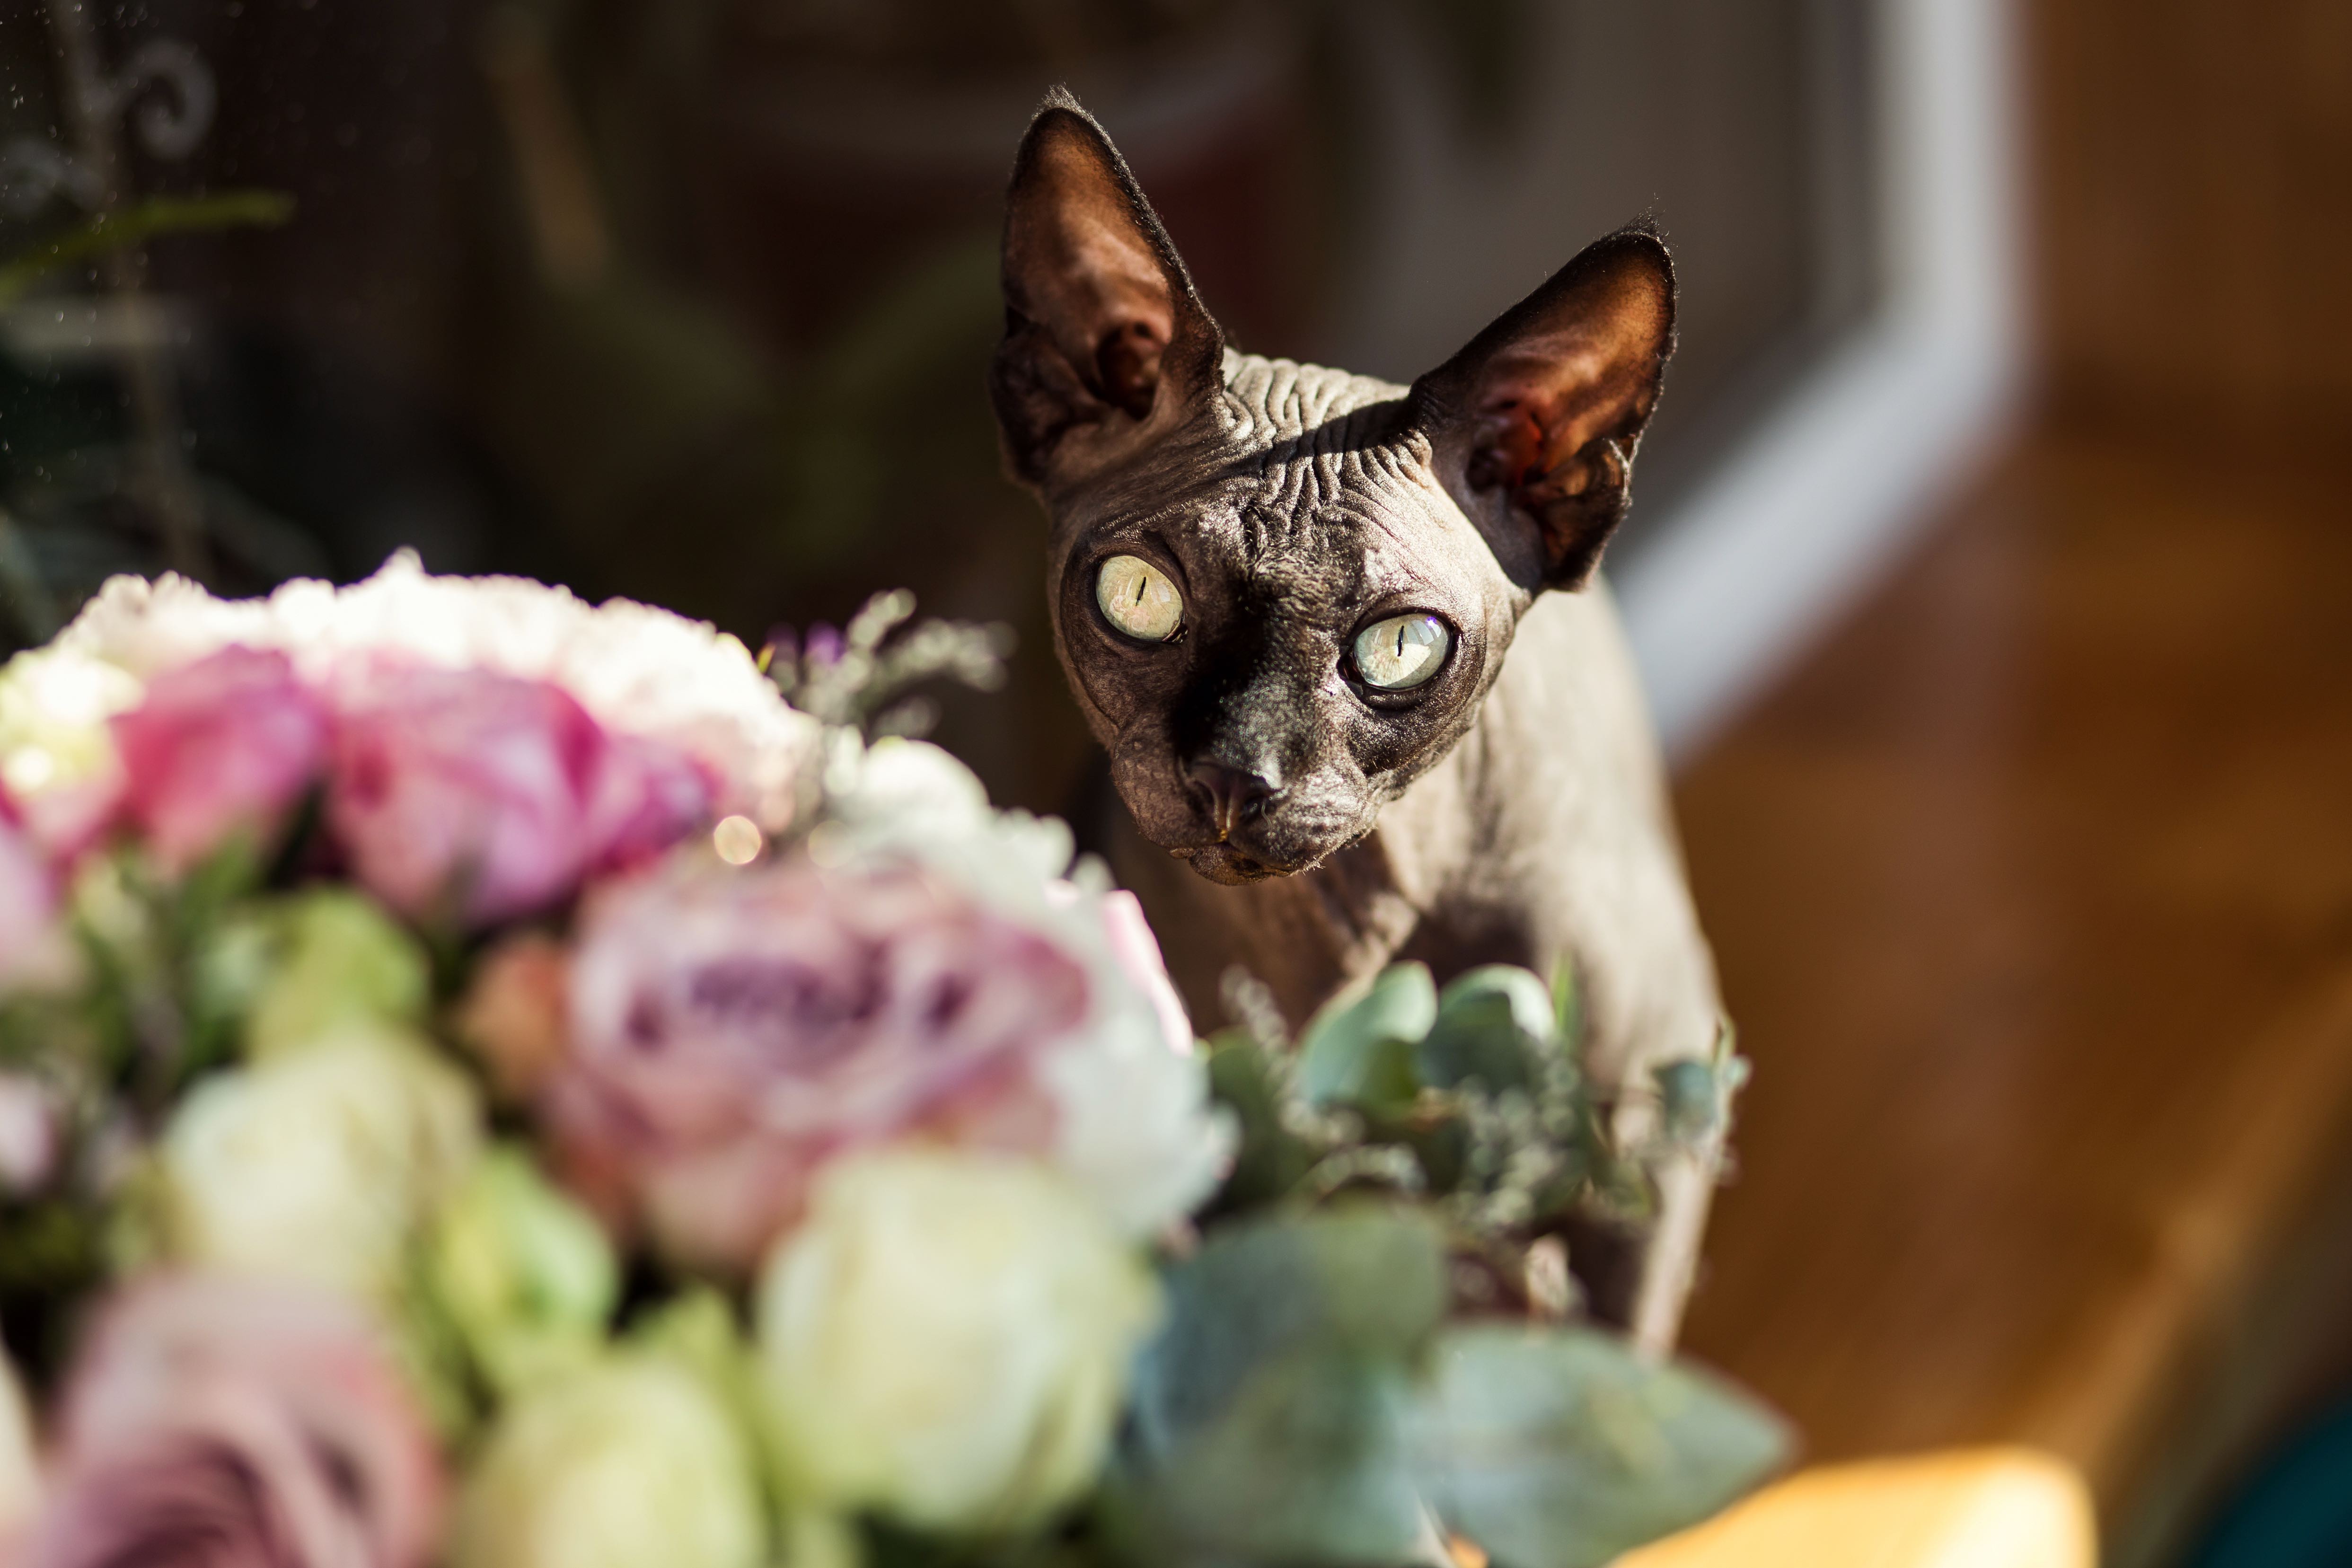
(1991, 566)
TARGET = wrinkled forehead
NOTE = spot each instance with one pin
(1294, 469)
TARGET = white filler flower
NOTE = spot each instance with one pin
(639, 670)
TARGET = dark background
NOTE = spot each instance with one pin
(691, 300)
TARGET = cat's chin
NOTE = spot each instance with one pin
(1226, 866)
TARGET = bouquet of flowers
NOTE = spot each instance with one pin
(493, 1082)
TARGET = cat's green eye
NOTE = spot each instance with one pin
(1138, 599)
(1402, 652)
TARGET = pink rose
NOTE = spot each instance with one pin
(647, 796)
(730, 1030)
(220, 1420)
(225, 744)
(493, 795)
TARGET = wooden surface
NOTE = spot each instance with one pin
(1998, 1508)
(2193, 169)
(2032, 892)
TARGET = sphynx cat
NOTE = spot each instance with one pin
(1364, 697)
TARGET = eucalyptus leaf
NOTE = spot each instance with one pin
(1361, 1052)
(1364, 1278)
(1491, 1024)
(1268, 1420)
(1691, 1099)
(1270, 1159)
(1560, 1448)
(1308, 1464)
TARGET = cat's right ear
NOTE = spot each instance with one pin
(1106, 343)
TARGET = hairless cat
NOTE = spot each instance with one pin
(1284, 596)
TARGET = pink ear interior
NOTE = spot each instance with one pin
(1552, 398)
(1080, 264)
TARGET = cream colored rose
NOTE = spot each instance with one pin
(628, 1462)
(320, 1164)
(946, 1339)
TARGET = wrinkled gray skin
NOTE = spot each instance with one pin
(1285, 816)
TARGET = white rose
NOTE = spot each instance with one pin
(629, 1462)
(947, 1339)
(319, 1165)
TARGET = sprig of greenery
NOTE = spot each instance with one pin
(1473, 1102)
(856, 677)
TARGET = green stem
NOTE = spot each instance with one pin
(106, 232)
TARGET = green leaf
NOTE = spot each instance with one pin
(1562, 1450)
(1270, 1159)
(1363, 1277)
(1568, 1006)
(1491, 1024)
(1691, 1099)
(342, 962)
(1361, 1052)
(1269, 1415)
(1308, 1465)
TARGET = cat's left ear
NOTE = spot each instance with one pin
(1534, 425)
(1106, 342)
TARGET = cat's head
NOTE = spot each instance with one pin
(1280, 592)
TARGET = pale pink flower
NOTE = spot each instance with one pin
(30, 945)
(223, 745)
(489, 796)
(28, 1132)
(1136, 951)
(222, 1420)
(730, 1030)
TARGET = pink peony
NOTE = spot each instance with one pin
(222, 1421)
(732, 1029)
(225, 744)
(492, 795)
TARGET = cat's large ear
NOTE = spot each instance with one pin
(1106, 342)
(1536, 423)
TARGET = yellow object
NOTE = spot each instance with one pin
(1977, 1508)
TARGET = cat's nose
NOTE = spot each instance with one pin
(1234, 794)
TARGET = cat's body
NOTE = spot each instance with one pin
(1342, 640)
